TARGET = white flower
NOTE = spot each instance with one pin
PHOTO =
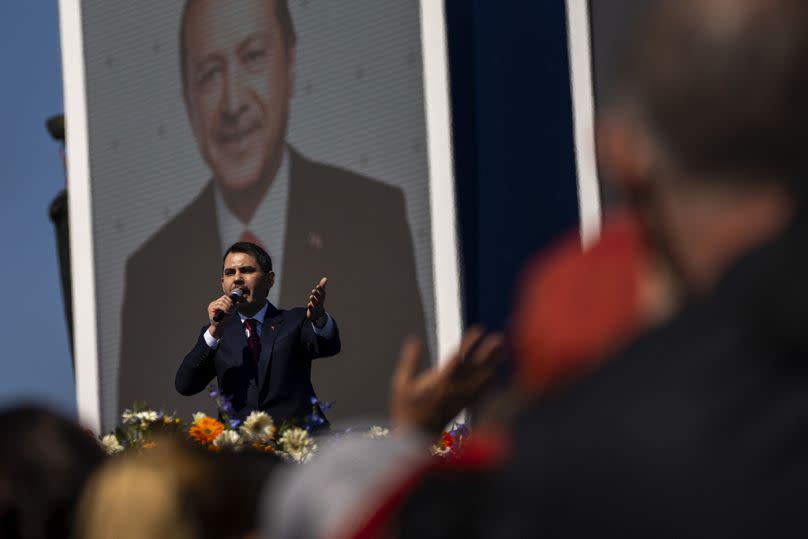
(258, 426)
(147, 416)
(228, 439)
(198, 416)
(297, 445)
(111, 445)
(128, 416)
(376, 432)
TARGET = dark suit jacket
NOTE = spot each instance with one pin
(698, 429)
(281, 385)
(347, 227)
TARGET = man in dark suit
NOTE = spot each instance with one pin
(238, 61)
(260, 355)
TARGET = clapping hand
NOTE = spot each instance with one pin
(429, 400)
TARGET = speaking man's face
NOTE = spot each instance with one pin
(241, 270)
(238, 82)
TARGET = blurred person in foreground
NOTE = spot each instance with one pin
(697, 427)
(174, 490)
(45, 461)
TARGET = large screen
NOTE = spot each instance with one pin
(299, 125)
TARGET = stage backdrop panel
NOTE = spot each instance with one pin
(350, 200)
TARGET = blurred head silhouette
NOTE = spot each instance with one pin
(704, 127)
(175, 491)
(44, 463)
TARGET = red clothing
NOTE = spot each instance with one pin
(574, 307)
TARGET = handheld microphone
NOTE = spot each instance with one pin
(236, 296)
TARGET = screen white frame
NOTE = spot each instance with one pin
(80, 215)
(579, 45)
(445, 255)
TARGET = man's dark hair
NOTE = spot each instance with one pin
(722, 86)
(44, 464)
(281, 12)
(261, 256)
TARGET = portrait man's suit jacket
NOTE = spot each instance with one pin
(281, 382)
(349, 228)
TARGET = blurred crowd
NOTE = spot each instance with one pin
(657, 382)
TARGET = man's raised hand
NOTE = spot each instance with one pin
(315, 309)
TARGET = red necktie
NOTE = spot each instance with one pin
(253, 342)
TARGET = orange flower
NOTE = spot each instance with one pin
(205, 430)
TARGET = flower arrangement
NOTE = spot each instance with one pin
(141, 426)
(138, 428)
(452, 442)
(291, 440)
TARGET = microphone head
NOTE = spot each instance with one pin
(237, 295)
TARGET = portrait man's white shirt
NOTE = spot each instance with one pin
(268, 224)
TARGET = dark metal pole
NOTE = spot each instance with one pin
(59, 216)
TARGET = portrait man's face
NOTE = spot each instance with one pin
(239, 78)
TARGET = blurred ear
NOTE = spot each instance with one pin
(624, 152)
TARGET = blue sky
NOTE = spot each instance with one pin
(35, 351)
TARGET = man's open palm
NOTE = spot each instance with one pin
(315, 308)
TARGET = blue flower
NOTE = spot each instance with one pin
(314, 419)
(459, 431)
(226, 405)
(324, 406)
